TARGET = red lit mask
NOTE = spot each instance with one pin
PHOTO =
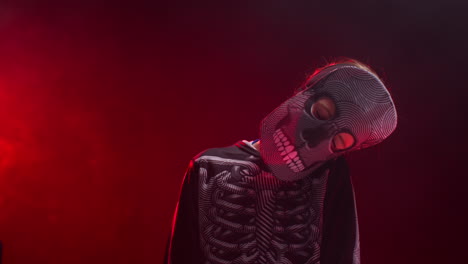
(294, 141)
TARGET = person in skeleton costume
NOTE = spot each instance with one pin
(286, 198)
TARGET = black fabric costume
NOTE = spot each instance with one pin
(232, 210)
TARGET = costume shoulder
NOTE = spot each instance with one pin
(215, 160)
(238, 151)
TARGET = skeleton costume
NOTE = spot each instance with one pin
(292, 202)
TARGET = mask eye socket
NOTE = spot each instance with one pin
(342, 141)
(323, 108)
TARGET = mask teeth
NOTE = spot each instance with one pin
(287, 151)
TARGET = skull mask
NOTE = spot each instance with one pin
(294, 142)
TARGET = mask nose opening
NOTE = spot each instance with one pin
(313, 136)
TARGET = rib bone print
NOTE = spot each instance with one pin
(248, 216)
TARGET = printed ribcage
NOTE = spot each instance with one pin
(248, 216)
(297, 221)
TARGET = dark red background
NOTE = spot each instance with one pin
(103, 105)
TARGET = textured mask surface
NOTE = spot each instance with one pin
(294, 142)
